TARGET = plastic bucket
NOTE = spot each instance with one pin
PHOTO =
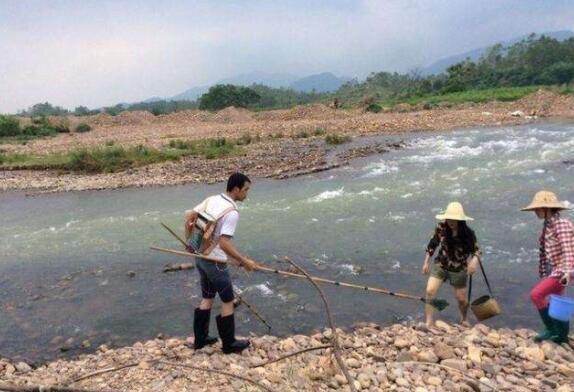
(561, 308)
(485, 307)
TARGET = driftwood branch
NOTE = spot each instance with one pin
(44, 388)
(151, 362)
(335, 338)
(202, 369)
(103, 371)
(178, 267)
(294, 354)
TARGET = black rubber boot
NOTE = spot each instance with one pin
(561, 330)
(226, 328)
(201, 328)
(548, 330)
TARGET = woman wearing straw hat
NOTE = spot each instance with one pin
(556, 262)
(458, 254)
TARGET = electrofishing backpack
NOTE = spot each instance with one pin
(200, 232)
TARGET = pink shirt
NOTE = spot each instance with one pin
(556, 247)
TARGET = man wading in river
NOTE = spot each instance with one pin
(209, 229)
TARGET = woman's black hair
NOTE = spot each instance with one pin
(466, 236)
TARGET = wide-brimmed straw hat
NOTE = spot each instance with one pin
(454, 211)
(545, 199)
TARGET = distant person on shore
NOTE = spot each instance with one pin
(556, 262)
(457, 256)
(210, 227)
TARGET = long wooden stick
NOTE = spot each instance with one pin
(47, 388)
(173, 233)
(294, 275)
(293, 354)
(133, 364)
(252, 309)
(225, 373)
(335, 335)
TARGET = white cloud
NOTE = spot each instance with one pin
(102, 52)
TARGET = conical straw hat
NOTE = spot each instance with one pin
(454, 211)
(545, 199)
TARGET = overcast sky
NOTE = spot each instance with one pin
(97, 53)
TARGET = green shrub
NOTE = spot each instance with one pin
(114, 158)
(181, 144)
(10, 159)
(217, 142)
(83, 127)
(36, 131)
(302, 135)
(210, 148)
(336, 139)
(319, 132)
(373, 108)
(61, 128)
(9, 126)
(213, 152)
(41, 127)
(221, 96)
(244, 140)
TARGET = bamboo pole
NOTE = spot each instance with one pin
(439, 304)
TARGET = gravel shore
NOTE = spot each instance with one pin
(394, 358)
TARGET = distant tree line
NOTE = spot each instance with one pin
(537, 60)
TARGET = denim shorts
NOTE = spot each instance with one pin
(215, 279)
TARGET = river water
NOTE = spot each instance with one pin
(65, 258)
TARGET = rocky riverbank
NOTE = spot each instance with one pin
(394, 358)
(288, 142)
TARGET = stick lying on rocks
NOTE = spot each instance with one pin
(134, 364)
(335, 335)
(286, 356)
(437, 303)
(41, 388)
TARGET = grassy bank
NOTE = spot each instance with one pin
(503, 94)
(112, 158)
(12, 132)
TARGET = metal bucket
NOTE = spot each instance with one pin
(485, 307)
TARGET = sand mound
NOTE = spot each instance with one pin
(141, 117)
(186, 116)
(306, 112)
(233, 114)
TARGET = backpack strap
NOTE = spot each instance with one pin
(213, 244)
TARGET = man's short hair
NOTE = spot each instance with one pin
(237, 180)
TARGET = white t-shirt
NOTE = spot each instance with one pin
(215, 206)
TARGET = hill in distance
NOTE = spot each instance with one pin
(441, 65)
(323, 82)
